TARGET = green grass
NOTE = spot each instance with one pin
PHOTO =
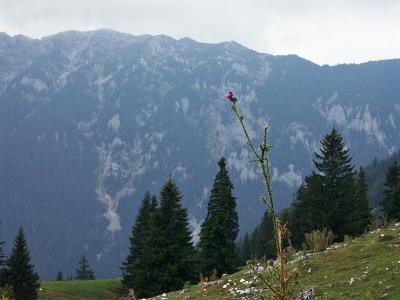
(372, 260)
(80, 289)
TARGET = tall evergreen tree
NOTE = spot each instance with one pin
(2, 264)
(244, 249)
(140, 232)
(334, 163)
(60, 276)
(264, 238)
(326, 199)
(392, 178)
(220, 227)
(391, 201)
(361, 213)
(168, 254)
(20, 272)
(83, 271)
(310, 209)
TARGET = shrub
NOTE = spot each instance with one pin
(6, 292)
(319, 240)
(348, 238)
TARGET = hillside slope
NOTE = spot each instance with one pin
(364, 268)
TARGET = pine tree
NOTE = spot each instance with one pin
(167, 260)
(392, 178)
(83, 271)
(334, 163)
(264, 238)
(310, 209)
(60, 276)
(20, 272)
(391, 201)
(284, 218)
(327, 199)
(244, 249)
(361, 213)
(220, 227)
(140, 232)
(2, 264)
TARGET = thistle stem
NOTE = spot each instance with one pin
(262, 160)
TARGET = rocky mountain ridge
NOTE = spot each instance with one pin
(90, 120)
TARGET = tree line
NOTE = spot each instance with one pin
(333, 197)
(162, 256)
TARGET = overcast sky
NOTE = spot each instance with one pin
(326, 32)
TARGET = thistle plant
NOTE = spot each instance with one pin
(277, 279)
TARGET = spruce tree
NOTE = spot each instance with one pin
(327, 198)
(244, 249)
(2, 264)
(392, 178)
(167, 260)
(264, 238)
(361, 213)
(310, 209)
(391, 201)
(20, 272)
(220, 227)
(334, 164)
(140, 232)
(60, 276)
(83, 271)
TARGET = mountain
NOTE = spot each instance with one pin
(91, 120)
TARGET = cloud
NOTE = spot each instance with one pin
(322, 31)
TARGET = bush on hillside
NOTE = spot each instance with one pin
(319, 240)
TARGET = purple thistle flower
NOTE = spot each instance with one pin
(229, 95)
